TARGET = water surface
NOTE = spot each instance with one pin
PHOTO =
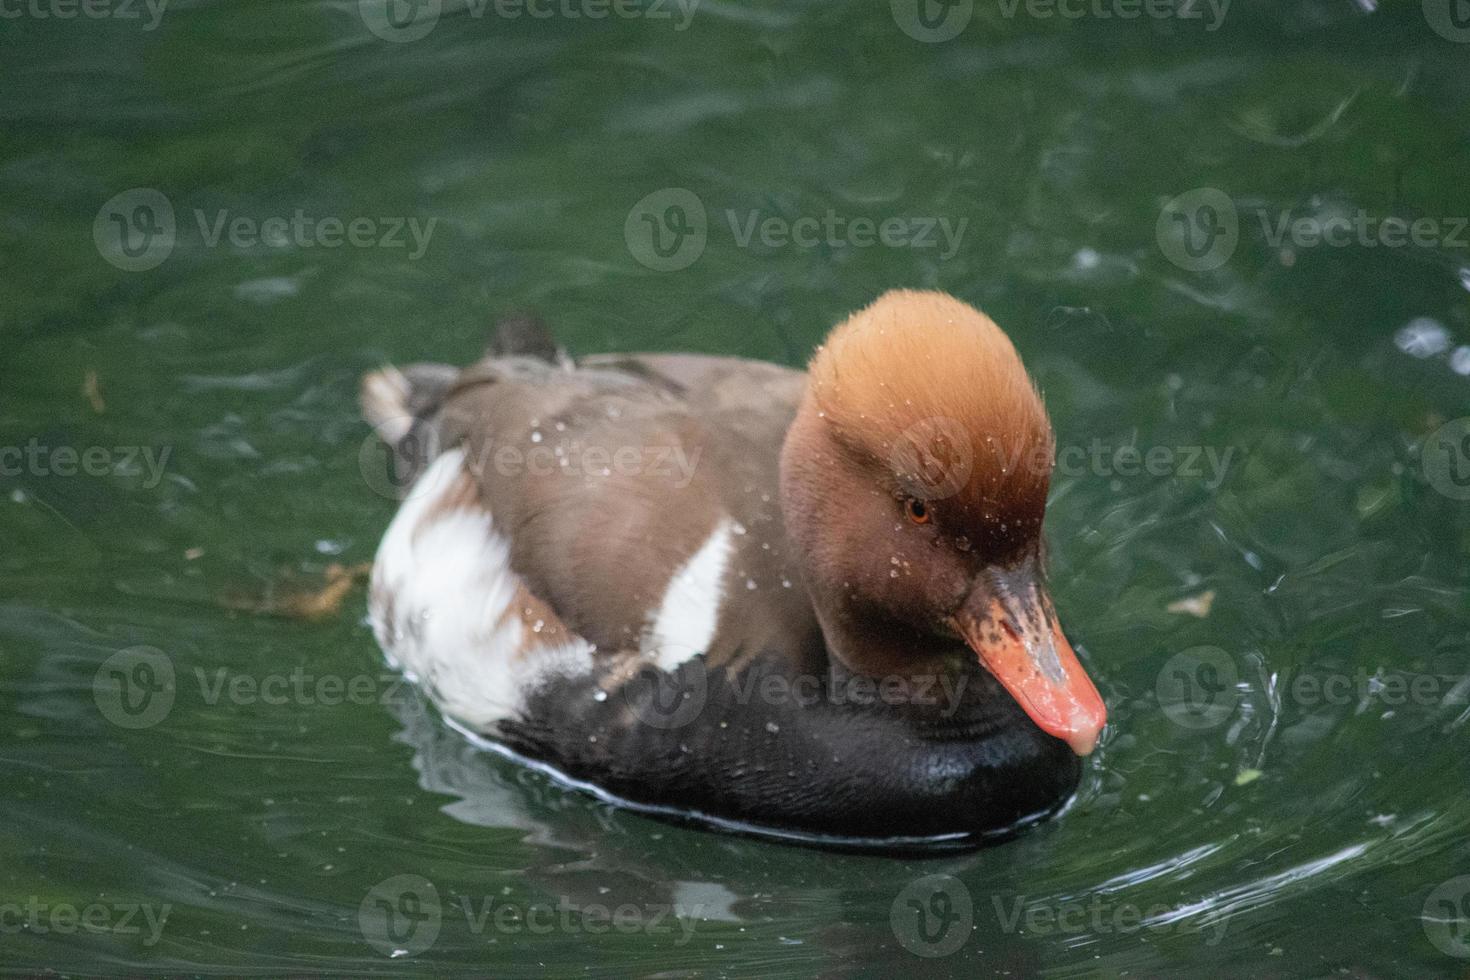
(1274, 795)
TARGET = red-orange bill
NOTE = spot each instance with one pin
(1035, 663)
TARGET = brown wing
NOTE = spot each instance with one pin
(606, 479)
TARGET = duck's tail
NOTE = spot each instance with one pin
(394, 400)
(401, 403)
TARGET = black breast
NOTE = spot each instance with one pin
(952, 759)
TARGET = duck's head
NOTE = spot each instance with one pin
(914, 481)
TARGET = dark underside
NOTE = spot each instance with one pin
(832, 758)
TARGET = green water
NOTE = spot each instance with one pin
(1284, 802)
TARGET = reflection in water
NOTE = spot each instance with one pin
(592, 853)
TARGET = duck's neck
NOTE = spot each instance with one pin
(858, 636)
(866, 641)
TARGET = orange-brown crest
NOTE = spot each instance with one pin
(930, 388)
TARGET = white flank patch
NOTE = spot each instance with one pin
(686, 620)
(446, 580)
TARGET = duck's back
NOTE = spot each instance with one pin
(622, 508)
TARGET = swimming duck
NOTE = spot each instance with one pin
(810, 604)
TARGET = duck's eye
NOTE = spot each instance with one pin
(918, 511)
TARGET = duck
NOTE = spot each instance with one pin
(810, 604)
